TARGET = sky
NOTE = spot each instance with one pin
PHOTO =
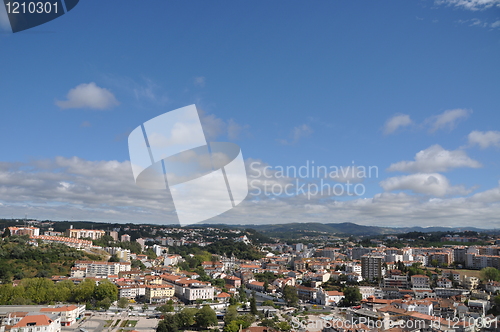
(409, 90)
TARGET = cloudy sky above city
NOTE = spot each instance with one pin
(398, 100)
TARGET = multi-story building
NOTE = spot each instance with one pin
(372, 266)
(101, 269)
(31, 231)
(159, 293)
(42, 323)
(420, 281)
(67, 314)
(93, 234)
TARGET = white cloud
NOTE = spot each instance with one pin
(484, 139)
(86, 124)
(200, 81)
(473, 5)
(396, 122)
(495, 24)
(435, 159)
(74, 188)
(88, 96)
(214, 127)
(447, 119)
(296, 134)
(433, 184)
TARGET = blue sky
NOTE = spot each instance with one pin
(411, 87)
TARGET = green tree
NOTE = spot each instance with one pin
(106, 289)
(122, 302)
(168, 324)
(186, 317)
(283, 326)
(206, 317)
(290, 295)
(84, 291)
(113, 259)
(6, 233)
(253, 305)
(352, 296)
(490, 274)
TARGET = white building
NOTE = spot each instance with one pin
(38, 323)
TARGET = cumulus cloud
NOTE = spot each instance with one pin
(447, 120)
(495, 24)
(435, 159)
(74, 188)
(484, 139)
(433, 184)
(473, 5)
(214, 127)
(396, 122)
(297, 134)
(88, 96)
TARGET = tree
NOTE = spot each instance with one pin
(167, 307)
(490, 274)
(168, 324)
(113, 259)
(122, 302)
(283, 326)
(206, 317)
(84, 291)
(290, 295)
(106, 289)
(352, 296)
(6, 233)
(253, 305)
(231, 314)
(268, 303)
(186, 317)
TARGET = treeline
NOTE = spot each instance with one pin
(19, 260)
(224, 247)
(188, 318)
(44, 291)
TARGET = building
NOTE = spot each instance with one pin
(125, 238)
(70, 242)
(420, 281)
(113, 234)
(329, 297)
(93, 234)
(159, 293)
(38, 323)
(31, 231)
(68, 314)
(372, 266)
(99, 269)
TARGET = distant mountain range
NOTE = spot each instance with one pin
(345, 228)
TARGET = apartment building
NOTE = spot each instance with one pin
(93, 234)
(159, 293)
(372, 266)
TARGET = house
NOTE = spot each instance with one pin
(68, 314)
(256, 286)
(444, 283)
(306, 293)
(329, 297)
(159, 293)
(42, 323)
(420, 281)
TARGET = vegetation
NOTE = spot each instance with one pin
(19, 259)
(44, 291)
(188, 318)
